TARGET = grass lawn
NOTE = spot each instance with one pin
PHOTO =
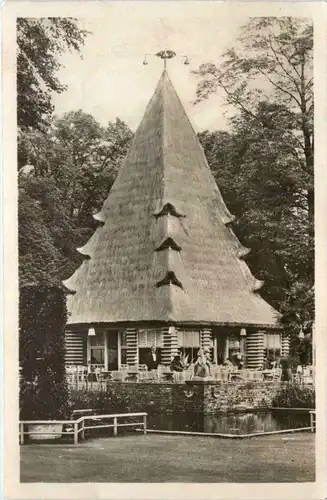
(165, 458)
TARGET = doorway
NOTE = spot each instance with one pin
(112, 350)
(220, 341)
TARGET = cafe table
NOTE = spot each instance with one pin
(235, 375)
(267, 375)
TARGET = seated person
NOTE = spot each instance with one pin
(239, 360)
(299, 374)
(176, 364)
(266, 364)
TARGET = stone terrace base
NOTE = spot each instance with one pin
(204, 396)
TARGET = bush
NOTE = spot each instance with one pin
(43, 400)
(102, 402)
(294, 396)
(43, 388)
(285, 363)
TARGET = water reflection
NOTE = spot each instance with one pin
(231, 423)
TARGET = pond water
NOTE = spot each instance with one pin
(231, 423)
(227, 423)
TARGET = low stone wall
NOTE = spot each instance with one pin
(246, 395)
(193, 396)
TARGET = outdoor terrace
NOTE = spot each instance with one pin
(95, 377)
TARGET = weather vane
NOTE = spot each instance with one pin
(165, 54)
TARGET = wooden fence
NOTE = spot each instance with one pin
(78, 427)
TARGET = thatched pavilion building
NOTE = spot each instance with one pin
(164, 267)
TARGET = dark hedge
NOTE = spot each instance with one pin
(42, 321)
(295, 396)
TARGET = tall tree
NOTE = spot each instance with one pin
(272, 62)
(265, 165)
(40, 42)
(254, 170)
(72, 167)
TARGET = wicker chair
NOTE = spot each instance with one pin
(247, 375)
(165, 373)
(179, 376)
(216, 375)
(142, 368)
(149, 376)
(224, 375)
(258, 376)
(162, 369)
(277, 374)
(71, 375)
(118, 376)
(189, 373)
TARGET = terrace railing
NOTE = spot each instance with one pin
(81, 379)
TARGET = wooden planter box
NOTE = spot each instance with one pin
(42, 432)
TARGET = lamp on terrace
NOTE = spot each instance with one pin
(91, 332)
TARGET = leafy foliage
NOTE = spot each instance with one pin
(73, 165)
(264, 166)
(294, 396)
(42, 316)
(111, 401)
(40, 41)
(272, 62)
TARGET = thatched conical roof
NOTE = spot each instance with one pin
(166, 251)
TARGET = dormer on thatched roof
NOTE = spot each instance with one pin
(165, 251)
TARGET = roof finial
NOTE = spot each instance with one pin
(165, 54)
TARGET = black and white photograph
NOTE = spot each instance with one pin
(166, 249)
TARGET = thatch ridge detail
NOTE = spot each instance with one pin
(82, 252)
(168, 243)
(243, 252)
(168, 209)
(258, 284)
(228, 220)
(99, 217)
(170, 279)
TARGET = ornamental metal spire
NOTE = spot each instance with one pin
(165, 54)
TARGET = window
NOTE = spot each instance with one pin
(97, 349)
(189, 343)
(146, 339)
(272, 346)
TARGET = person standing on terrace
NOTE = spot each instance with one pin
(152, 359)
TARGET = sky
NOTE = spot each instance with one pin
(110, 80)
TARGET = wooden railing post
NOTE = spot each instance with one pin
(115, 426)
(144, 424)
(83, 431)
(21, 433)
(75, 433)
